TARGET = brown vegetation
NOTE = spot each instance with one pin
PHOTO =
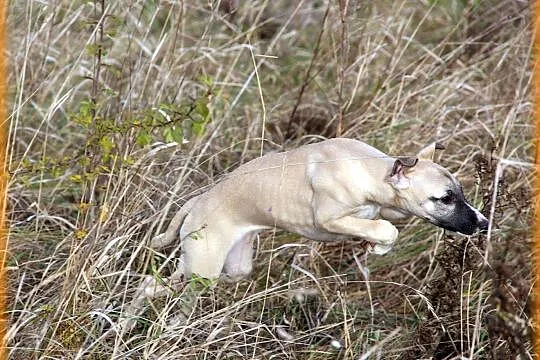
(104, 93)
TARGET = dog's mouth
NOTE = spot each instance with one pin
(465, 230)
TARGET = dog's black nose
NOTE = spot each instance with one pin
(483, 224)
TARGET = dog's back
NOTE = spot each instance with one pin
(275, 190)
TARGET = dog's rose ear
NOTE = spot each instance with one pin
(428, 153)
(397, 176)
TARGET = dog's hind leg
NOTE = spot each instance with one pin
(205, 252)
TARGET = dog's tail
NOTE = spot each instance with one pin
(172, 231)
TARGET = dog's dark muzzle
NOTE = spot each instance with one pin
(464, 220)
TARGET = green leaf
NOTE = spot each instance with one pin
(109, 92)
(129, 160)
(199, 283)
(92, 49)
(177, 134)
(198, 128)
(198, 118)
(106, 144)
(201, 107)
(206, 80)
(84, 161)
(143, 138)
(76, 178)
(167, 134)
(84, 116)
(173, 134)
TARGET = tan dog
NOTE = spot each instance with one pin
(333, 190)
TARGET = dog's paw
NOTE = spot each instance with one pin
(379, 249)
(386, 233)
(159, 242)
(149, 287)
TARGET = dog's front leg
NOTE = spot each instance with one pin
(380, 232)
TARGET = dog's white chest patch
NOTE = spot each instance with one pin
(368, 211)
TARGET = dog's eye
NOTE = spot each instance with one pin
(447, 199)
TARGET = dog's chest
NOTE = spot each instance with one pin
(368, 211)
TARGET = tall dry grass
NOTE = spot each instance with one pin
(394, 74)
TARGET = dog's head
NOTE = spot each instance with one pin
(426, 189)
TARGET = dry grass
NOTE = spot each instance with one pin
(394, 74)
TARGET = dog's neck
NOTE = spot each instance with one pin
(392, 207)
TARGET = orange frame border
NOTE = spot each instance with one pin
(536, 191)
(3, 179)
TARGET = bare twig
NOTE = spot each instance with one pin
(307, 77)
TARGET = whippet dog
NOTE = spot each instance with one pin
(329, 191)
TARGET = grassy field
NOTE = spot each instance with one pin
(120, 111)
